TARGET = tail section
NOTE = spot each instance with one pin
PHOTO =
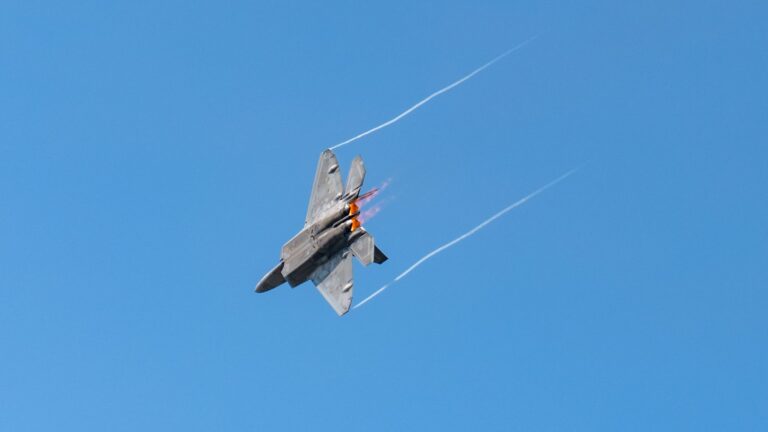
(361, 244)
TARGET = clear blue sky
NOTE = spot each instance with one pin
(154, 156)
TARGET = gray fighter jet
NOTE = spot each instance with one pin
(322, 251)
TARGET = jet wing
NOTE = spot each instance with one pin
(334, 281)
(327, 187)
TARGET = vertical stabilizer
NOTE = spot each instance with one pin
(355, 178)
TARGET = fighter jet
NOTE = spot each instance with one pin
(322, 251)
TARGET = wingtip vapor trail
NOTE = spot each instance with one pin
(437, 93)
(469, 233)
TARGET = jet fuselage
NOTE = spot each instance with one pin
(322, 251)
(316, 243)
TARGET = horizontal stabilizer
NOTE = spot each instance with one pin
(363, 247)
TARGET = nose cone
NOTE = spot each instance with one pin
(263, 287)
(271, 280)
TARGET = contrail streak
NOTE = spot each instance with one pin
(468, 233)
(435, 94)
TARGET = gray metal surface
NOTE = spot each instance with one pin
(334, 281)
(326, 189)
(355, 178)
(362, 247)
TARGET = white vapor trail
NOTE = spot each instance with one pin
(435, 94)
(468, 233)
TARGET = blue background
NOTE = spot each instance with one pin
(154, 156)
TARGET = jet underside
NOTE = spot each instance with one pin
(322, 251)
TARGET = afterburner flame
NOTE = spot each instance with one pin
(353, 209)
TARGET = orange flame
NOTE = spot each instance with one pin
(353, 208)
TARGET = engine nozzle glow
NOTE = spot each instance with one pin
(354, 210)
